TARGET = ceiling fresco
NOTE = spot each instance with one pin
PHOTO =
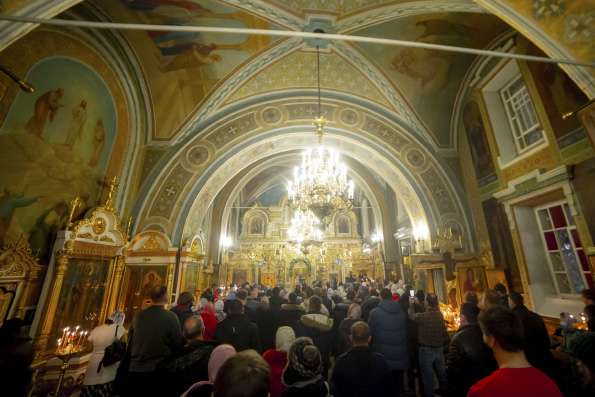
(429, 79)
(338, 7)
(182, 69)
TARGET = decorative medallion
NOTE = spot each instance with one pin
(198, 156)
(99, 225)
(271, 115)
(415, 158)
(349, 116)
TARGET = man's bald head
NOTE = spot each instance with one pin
(193, 328)
(360, 334)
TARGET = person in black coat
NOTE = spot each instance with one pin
(267, 322)
(389, 335)
(237, 330)
(369, 304)
(537, 342)
(291, 313)
(361, 372)
(191, 365)
(16, 356)
(468, 359)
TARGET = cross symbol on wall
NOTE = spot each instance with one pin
(170, 191)
(232, 130)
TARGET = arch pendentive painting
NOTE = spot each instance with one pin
(54, 144)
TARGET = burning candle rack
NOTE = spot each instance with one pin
(73, 340)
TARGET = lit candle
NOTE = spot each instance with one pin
(64, 331)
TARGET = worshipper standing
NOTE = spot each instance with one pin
(99, 378)
(237, 330)
(369, 303)
(155, 335)
(318, 327)
(413, 373)
(431, 338)
(209, 319)
(242, 296)
(276, 300)
(492, 298)
(291, 312)
(588, 296)
(183, 307)
(590, 314)
(582, 347)
(537, 340)
(267, 322)
(303, 373)
(191, 365)
(389, 335)
(503, 333)
(354, 314)
(16, 356)
(220, 310)
(253, 301)
(501, 289)
(277, 358)
(218, 357)
(471, 297)
(244, 375)
(468, 359)
(360, 372)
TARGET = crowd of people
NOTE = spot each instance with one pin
(358, 339)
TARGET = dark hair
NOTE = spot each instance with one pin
(504, 326)
(292, 298)
(185, 298)
(234, 307)
(314, 304)
(470, 311)
(590, 313)
(420, 295)
(373, 292)
(471, 297)
(517, 298)
(158, 293)
(432, 300)
(242, 294)
(351, 294)
(588, 293)
(385, 294)
(500, 288)
(245, 374)
(360, 332)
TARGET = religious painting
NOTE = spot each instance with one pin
(343, 225)
(138, 282)
(82, 295)
(430, 80)
(496, 276)
(480, 150)
(257, 225)
(54, 144)
(559, 95)
(183, 68)
(472, 279)
(239, 276)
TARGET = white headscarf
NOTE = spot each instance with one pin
(284, 338)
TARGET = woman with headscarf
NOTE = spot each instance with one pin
(99, 379)
(209, 318)
(277, 358)
(303, 374)
(354, 314)
(220, 310)
(218, 357)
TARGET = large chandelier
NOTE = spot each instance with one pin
(320, 183)
(304, 230)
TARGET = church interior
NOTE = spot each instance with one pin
(134, 157)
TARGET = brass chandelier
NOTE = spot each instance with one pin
(304, 230)
(320, 183)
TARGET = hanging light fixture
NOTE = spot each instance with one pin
(320, 183)
(304, 230)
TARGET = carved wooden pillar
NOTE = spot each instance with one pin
(116, 284)
(55, 289)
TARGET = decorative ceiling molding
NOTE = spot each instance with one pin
(402, 10)
(582, 76)
(270, 12)
(12, 31)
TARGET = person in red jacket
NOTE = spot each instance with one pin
(277, 358)
(515, 377)
(209, 318)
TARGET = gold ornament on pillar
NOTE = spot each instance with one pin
(109, 201)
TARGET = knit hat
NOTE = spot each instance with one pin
(218, 357)
(303, 362)
(284, 338)
(582, 346)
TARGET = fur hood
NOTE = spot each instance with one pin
(319, 321)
